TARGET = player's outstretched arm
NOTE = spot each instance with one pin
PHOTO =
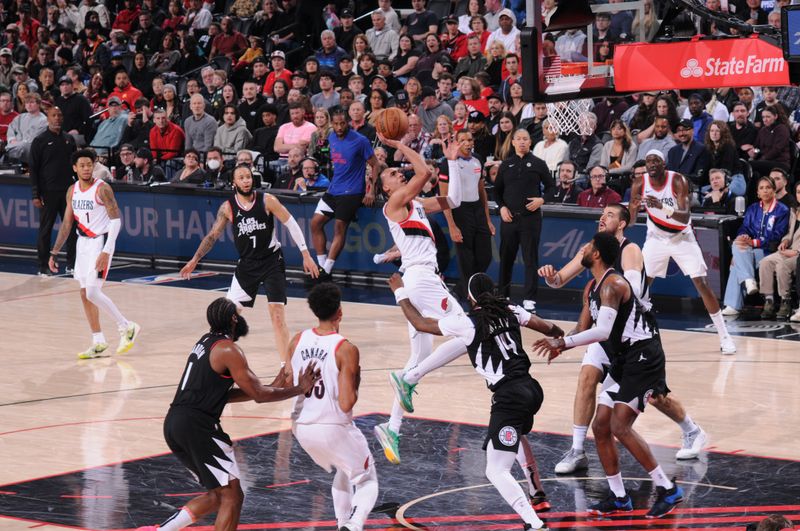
(421, 173)
(420, 323)
(453, 194)
(556, 279)
(347, 360)
(279, 211)
(223, 218)
(544, 327)
(228, 357)
(63, 232)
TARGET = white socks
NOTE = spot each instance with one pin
(616, 485)
(177, 521)
(98, 338)
(328, 267)
(578, 437)
(321, 259)
(660, 478)
(719, 323)
(687, 425)
(396, 419)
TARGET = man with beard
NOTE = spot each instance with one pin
(742, 129)
(661, 140)
(192, 427)
(252, 215)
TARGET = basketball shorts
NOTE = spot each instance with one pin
(596, 356)
(659, 247)
(635, 376)
(86, 252)
(339, 446)
(514, 404)
(341, 207)
(249, 276)
(198, 441)
(428, 293)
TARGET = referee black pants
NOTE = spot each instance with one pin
(475, 252)
(55, 204)
(523, 230)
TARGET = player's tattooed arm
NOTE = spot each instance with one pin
(223, 218)
(106, 195)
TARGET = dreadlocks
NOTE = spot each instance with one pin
(219, 315)
(491, 311)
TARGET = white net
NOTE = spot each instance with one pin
(566, 114)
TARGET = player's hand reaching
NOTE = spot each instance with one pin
(186, 271)
(548, 272)
(388, 142)
(549, 348)
(309, 266)
(395, 282)
(451, 149)
(555, 331)
(308, 378)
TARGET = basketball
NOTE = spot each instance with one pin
(392, 123)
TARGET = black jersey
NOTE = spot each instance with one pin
(201, 387)
(498, 354)
(632, 324)
(645, 289)
(254, 229)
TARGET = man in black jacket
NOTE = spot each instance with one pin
(76, 110)
(51, 155)
(689, 157)
(519, 196)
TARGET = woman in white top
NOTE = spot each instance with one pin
(619, 153)
(552, 150)
(474, 8)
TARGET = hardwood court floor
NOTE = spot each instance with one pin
(60, 414)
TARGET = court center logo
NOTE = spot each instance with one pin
(692, 69)
(508, 436)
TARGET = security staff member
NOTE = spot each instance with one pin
(518, 191)
(471, 228)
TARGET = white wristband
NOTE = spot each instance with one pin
(400, 294)
(569, 342)
(668, 210)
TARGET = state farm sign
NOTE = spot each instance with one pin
(699, 64)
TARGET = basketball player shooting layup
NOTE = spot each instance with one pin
(192, 426)
(91, 206)
(253, 216)
(669, 234)
(614, 220)
(323, 419)
(411, 230)
(491, 335)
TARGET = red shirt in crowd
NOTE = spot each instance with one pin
(28, 34)
(606, 197)
(230, 45)
(126, 20)
(167, 144)
(286, 75)
(5, 121)
(128, 96)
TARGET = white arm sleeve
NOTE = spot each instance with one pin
(454, 184)
(114, 227)
(297, 233)
(635, 279)
(600, 332)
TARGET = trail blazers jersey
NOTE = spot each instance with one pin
(414, 237)
(90, 214)
(254, 229)
(656, 219)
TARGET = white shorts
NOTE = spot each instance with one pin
(604, 399)
(86, 252)
(323, 208)
(428, 293)
(596, 357)
(339, 446)
(681, 247)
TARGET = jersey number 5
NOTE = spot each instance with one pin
(318, 390)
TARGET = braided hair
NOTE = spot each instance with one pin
(490, 312)
(219, 315)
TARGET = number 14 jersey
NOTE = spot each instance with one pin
(321, 404)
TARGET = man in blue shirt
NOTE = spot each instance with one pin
(351, 186)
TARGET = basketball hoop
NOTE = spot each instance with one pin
(566, 114)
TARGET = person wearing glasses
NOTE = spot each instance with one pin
(598, 195)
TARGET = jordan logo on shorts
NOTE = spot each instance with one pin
(642, 358)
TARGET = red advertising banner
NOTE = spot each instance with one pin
(699, 64)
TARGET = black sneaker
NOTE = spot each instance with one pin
(666, 501)
(324, 276)
(529, 527)
(612, 505)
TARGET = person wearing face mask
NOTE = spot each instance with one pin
(214, 164)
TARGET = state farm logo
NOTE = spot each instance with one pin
(692, 69)
(716, 66)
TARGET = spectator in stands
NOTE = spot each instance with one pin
(311, 177)
(172, 105)
(719, 196)
(214, 168)
(416, 139)
(345, 71)
(507, 33)
(473, 62)
(607, 110)
(782, 264)
(414, 90)
(392, 19)
(329, 54)
(19, 50)
(742, 129)
(516, 105)
(327, 97)
(430, 109)
(444, 90)
(505, 129)
(345, 33)
(319, 148)
(146, 171)
(228, 96)
(76, 109)
(358, 121)
(770, 99)
(167, 56)
(480, 29)
(688, 157)
(586, 148)
(598, 195)
(150, 35)
(378, 100)
(781, 179)
(109, 133)
(200, 127)
(244, 8)
(405, 61)
(551, 149)
(722, 150)
(127, 93)
(95, 93)
(571, 46)
(137, 132)
(474, 8)
(619, 153)
(700, 118)
(6, 66)
(232, 135)
(296, 133)
(264, 137)
(661, 139)
(278, 61)
(292, 171)
(7, 115)
(127, 167)
(383, 41)
(440, 137)
(602, 29)
(24, 128)
(166, 139)
(192, 172)
(567, 191)
(175, 16)
(765, 223)
(420, 23)
(229, 43)
(772, 146)
(642, 116)
(198, 18)
(250, 105)
(268, 20)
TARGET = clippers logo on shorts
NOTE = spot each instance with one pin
(508, 436)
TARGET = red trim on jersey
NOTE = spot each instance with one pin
(414, 224)
(667, 181)
(87, 189)
(83, 228)
(410, 207)
(325, 334)
(339, 344)
(663, 223)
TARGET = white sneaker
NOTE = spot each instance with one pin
(795, 318)
(127, 337)
(729, 312)
(693, 443)
(727, 346)
(751, 286)
(529, 306)
(95, 351)
(572, 461)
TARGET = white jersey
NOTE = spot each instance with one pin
(91, 216)
(657, 221)
(414, 237)
(321, 405)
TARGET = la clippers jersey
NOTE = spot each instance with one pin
(644, 289)
(201, 387)
(498, 354)
(90, 214)
(656, 219)
(321, 404)
(414, 237)
(632, 324)
(254, 229)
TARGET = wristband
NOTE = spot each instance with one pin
(400, 294)
(668, 210)
(569, 342)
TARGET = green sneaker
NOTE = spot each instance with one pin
(390, 441)
(95, 351)
(127, 337)
(402, 391)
